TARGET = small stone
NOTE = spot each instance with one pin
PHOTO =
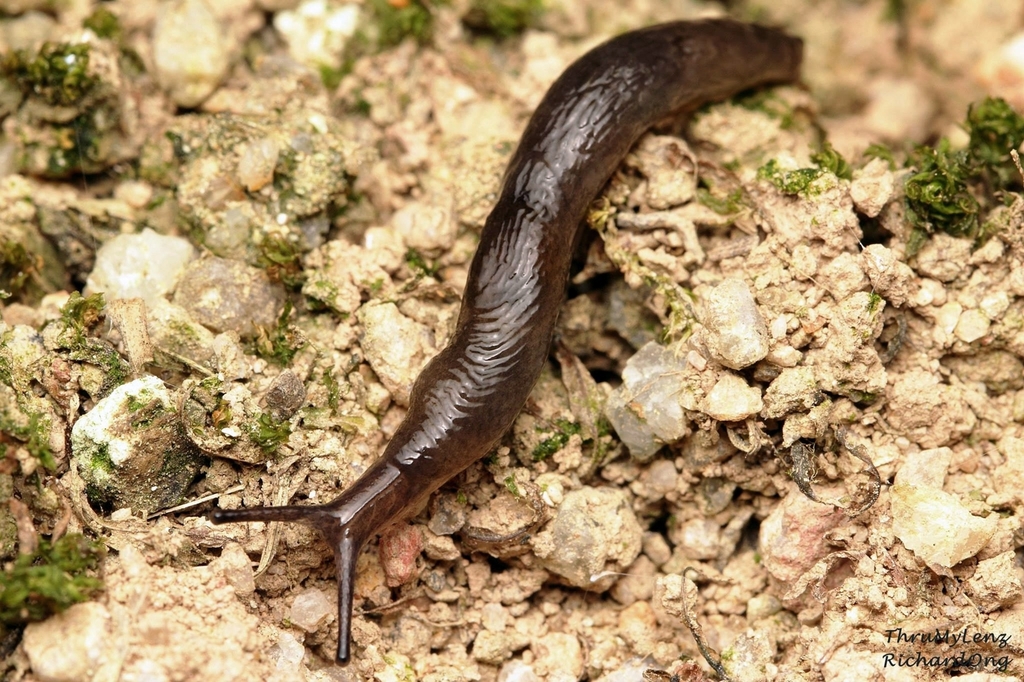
(734, 331)
(762, 606)
(236, 567)
(972, 326)
(961, 535)
(440, 547)
(793, 390)
(131, 450)
(559, 656)
(225, 294)
(516, 671)
(399, 548)
(644, 410)
(492, 647)
(662, 160)
(699, 539)
(732, 399)
(189, 51)
(285, 395)
(595, 530)
(396, 347)
(145, 265)
(256, 167)
(287, 654)
(662, 477)
(638, 626)
(792, 538)
(172, 329)
(872, 187)
(843, 276)
(638, 583)
(494, 617)
(925, 468)
(996, 583)
(890, 278)
(311, 609)
(750, 657)
(316, 31)
(70, 646)
(448, 515)
(427, 228)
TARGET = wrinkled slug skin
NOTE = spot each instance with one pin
(468, 396)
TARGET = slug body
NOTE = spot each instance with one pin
(467, 397)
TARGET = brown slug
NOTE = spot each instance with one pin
(467, 397)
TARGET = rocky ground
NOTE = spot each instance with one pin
(278, 202)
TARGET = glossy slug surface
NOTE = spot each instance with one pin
(467, 397)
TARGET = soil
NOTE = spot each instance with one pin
(889, 370)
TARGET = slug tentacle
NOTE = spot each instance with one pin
(467, 397)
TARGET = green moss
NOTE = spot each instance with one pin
(727, 205)
(874, 301)
(34, 435)
(58, 74)
(49, 580)
(333, 390)
(549, 446)
(280, 344)
(803, 181)
(876, 150)
(282, 261)
(768, 102)
(331, 76)
(103, 23)
(503, 18)
(789, 182)
(5, 359)
(937, 195)
(267, 433)
(100, 459)
(512, 486)
(827, 158)
(995, 129)
(16, 268)
(396, 23)
(77, 316)
(950, 186)
(418, 264)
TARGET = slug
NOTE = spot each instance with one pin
(467, 397)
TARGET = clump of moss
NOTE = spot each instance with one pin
(77, 317)
(58, 74)
(938, 196)
(48, 581)
(282, 261)
(34, 436)
(103, 23)
(397, 21)
(551, 445)
(503, 18)
(995, 129)
(801, 180)
(17, 266)
(827, 158)
(418, 264)
(79, 314)
(267, 433)
(950, 187)
(280, 343)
